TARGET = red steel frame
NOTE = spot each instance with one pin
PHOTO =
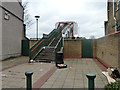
(68, 23)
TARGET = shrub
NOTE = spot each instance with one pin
(115, 86)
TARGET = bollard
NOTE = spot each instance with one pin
(59, 58)
(29, 80)
(91, 78)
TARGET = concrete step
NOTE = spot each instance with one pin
(49, 56)
(46, 54)
(54, 43)
(46, 61)
(40, 57)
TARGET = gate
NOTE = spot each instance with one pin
(87, 51)
(25, 47)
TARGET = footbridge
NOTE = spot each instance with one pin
(45, 49)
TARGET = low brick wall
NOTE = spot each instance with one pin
(32, 42)
(107, 49)
(72, 48)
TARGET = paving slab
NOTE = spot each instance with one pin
(14, 61)
(74, 76)
(14, 77)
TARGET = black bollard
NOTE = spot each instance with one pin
(29, 80)
(91, 78)
(59, 58)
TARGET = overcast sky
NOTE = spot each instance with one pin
(89, 14)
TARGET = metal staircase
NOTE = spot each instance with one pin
(46, 48)
(46, 55)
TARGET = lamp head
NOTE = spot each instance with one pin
(37, 16)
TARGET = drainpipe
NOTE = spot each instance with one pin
(117, 4)
(114, 16)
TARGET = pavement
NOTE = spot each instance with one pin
(13, 75)
(75, 75)
(46, 75)
(11, 62)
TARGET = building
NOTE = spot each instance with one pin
(112, 11)
(11, 33)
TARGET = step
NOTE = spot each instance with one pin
(46, 55)
(54, 42)
(44, 58)
(46, 61)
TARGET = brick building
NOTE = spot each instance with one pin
(110, 24)
(11, 33)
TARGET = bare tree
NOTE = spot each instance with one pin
(27, 17)
(92, 37)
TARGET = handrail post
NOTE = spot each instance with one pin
(91, 78)
(29, 55)
(29, 80)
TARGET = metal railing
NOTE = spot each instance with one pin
(45, 41)
(37, 47)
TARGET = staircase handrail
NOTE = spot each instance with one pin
(37, 47)
(34, 50)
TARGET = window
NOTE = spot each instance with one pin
(117, 5)
(6, 15)
(20, 1)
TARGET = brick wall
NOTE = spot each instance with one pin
(107, 49)
(32, 42)
(118, 18)
(119, 51)
(110, 26)
(0, 32)
(72, 48)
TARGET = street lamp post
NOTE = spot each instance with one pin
(37, 17)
